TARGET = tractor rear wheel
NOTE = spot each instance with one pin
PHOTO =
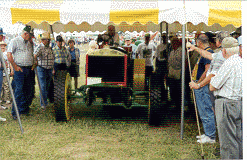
(62, 86)
(156, 108)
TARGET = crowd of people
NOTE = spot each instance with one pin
(24, 60)
(216, 60)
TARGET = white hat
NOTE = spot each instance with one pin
(127, 37)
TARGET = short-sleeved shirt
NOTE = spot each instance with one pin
(202, 63)
(216, 63)
(61, 55)
(228, 80)
(22, 51)
(146, 52)
(45, 56)
(159, 52)
(75, 55)
(134, 48)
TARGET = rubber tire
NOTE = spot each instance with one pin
(156, 109)
(59, 95)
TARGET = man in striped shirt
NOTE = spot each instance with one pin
(20, 55)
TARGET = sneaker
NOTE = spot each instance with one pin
(2, 119)
(206, 139)
(202, 136)
(8, 102)
(3, 108)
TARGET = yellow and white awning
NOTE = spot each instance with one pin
(90, 12)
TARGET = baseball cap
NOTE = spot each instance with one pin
(147, 35)
(28, 29)
(1, 31)
(211, 37)
(127, 37)
(229, 42)
(59, 38)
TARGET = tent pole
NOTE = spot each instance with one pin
(183, 80)
(11, 91)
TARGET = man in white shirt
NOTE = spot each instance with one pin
(227, 87)
(146, 51)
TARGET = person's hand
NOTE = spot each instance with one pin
(11, 73)
(190, 46)
(53, 71)
(17, 68)
(193, 85)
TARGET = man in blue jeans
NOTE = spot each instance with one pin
(203, 100)
(20, 55)
(45, 57)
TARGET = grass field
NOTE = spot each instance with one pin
(113, 133)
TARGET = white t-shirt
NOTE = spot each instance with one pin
(146, 52)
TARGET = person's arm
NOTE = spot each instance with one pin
(194, 85)
(203, 76)
(202, 52)
(11, 49)
(211, 88)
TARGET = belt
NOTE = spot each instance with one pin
(219, 97)
(28, 67)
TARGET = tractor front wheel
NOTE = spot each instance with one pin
(62, 86)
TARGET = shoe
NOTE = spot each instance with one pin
(206, 139)
(202, 136)
(8, 102)
(2, 119)
(3, 108)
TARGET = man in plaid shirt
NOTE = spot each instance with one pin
(62, 57)
(44, 56)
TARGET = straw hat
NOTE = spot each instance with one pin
(45, 35)
(3, 43)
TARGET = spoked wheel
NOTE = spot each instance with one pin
(62, 92)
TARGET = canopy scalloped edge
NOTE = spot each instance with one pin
(124, 26)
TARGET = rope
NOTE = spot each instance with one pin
(193, 93)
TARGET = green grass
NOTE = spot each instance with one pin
(101, 137)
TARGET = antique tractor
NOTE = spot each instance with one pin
(116, 79)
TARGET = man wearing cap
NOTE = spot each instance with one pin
(20, 55)
(44, 58)
(146, 51)
(6, 96)
(1, 34)
(217, 61)
(62, 57)
(129, 44)
(113, 36)
(75, 61)
(227, 86)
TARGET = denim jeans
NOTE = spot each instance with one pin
(1, 80)
(204, 105)
(23, 86)
(45, 79)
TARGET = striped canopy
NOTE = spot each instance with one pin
(126, 15)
